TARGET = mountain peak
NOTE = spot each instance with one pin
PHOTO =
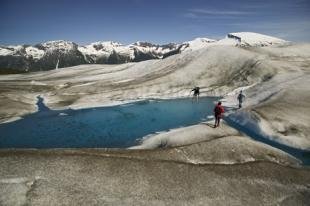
(203, 39)
(57, 45)
(255, 39)
(198, 43)
(144, 44)
(107, 43)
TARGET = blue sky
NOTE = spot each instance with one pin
(157, 21)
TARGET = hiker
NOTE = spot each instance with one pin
(218, 111)
(196, 93)
(240, 98)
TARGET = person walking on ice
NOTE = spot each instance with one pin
(196, 93)
(241, 98)
(218, 111)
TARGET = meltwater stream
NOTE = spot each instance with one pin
(103, 127)
(247, 124)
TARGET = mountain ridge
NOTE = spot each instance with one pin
(45, 56)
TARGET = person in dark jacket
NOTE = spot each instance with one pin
(218, 112)
(241, 98)
(196, 93)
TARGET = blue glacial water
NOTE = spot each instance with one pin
(123, 126)
(103, 127)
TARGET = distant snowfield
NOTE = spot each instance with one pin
(268, 75)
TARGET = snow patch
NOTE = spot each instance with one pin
(33, 82)
(6, 51)
(227, 41)
(197, 43)
(35, 53)
(61, 45)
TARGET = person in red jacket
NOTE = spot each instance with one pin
(218, 111)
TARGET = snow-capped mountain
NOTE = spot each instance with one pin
(41, 56)
(255, 39)
(100, 52)
(197, 43)
(113, 52)
(46, 56)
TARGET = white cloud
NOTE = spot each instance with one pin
(215, 14)
(219, 12)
